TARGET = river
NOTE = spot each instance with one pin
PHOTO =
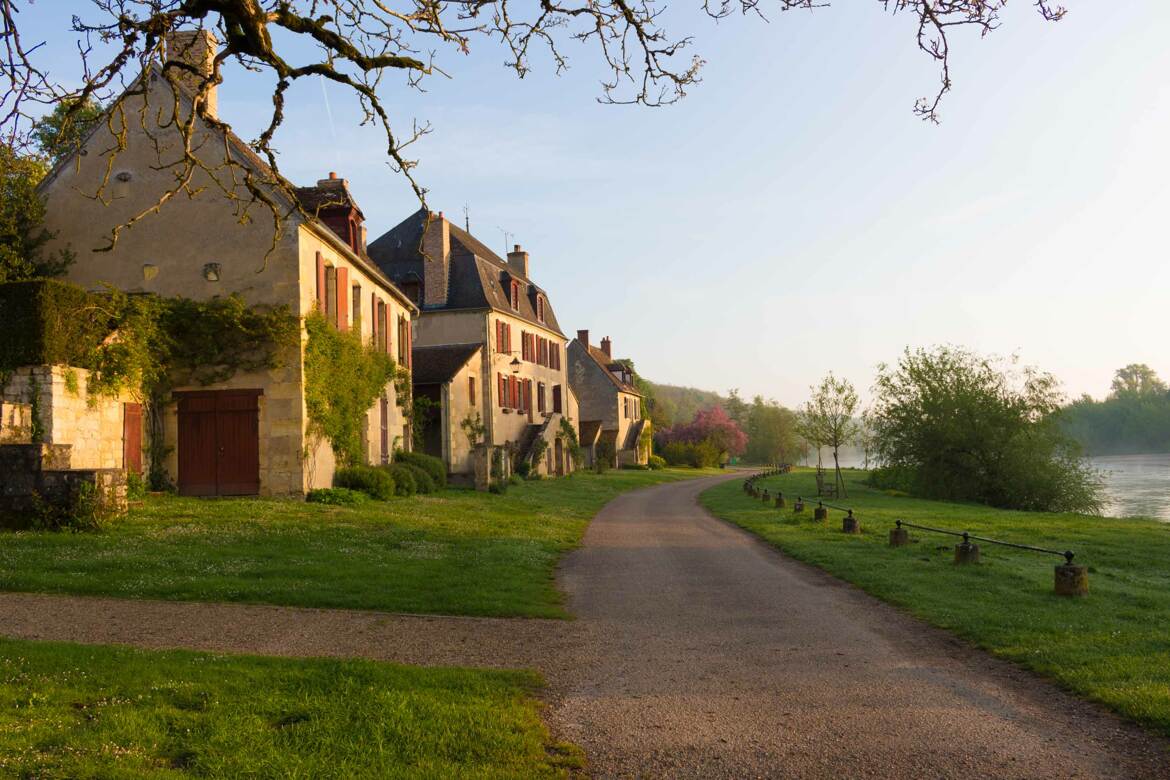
(1136, 484)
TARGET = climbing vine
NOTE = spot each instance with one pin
(344, 377)
(574, 444)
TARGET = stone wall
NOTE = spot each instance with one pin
(69, 415)
(33, 472)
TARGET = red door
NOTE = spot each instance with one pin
(219, 443)
(132, 437)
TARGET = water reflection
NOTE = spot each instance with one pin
(1136, 484)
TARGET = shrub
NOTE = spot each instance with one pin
(336, 496)
(499, 488)
(374, 482)
(524, 468)
(422, 480)
(657, 462)
(428, 463)
(135, 486)
(50, 322)
(635, 467)
(516, 479)
(404, 481)
(701, 455)
(84, 509)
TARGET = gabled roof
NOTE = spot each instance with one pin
(247, 156)
(607, 365)
(439, 365)
(478, 277)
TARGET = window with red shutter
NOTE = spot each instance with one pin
(557, 398)
(500, 388)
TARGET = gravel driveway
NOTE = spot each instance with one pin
(708, 654)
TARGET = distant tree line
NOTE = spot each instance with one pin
(1133, 418)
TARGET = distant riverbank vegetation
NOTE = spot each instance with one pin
(1133, 418)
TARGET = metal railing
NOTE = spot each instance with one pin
(967, 537)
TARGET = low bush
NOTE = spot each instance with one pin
(135, 486)
(524, 468)
(515, 479)
(704, 454)
(336, 496)
(635, 467)
(404, 481)
(428, 463)
(657, 462)
(422, 480)
(83, 509)
(374, 482)
(498, 487)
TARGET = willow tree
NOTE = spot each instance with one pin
(362, 44)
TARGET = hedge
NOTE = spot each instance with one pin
(47, 322)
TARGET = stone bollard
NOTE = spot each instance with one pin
(798, 507)
(766, 498)
(820, 513)
(779, 500)
(966, 553)
(1072, 580)
(899, 537)
(850, 524)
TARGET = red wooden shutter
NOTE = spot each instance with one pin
(320, 282)
(556, 398)
(500, 388)
(374, 319)
(343, 299)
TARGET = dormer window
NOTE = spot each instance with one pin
(515, 295)
(540, 308)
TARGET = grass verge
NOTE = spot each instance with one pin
(1112, 646)
(455, 552)
(94, 711)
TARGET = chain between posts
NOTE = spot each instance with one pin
(967, 536)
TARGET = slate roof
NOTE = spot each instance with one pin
(605, 363)
(478, 277)
(439, 364)
(590, 430)
(332, 195)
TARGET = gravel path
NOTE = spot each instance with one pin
(708, 654)
(698, 652)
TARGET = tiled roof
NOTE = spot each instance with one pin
(605, 362)
(439, 364)
(477, 278)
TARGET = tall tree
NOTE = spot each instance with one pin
(827, 419)
(736, 408)
(62, 130)
(771, 432)
(22, 213)
(357, 44)
(1137, 379)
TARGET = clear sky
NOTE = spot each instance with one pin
(792, 216)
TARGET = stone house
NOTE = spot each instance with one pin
(487, 343)
(248, 434)
(611, 407)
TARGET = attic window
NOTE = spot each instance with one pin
(516, 296)
(540, 308)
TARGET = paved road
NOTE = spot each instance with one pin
(707, 654)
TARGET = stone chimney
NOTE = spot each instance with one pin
(518, 261)
(436, 248)
(197, 49)
(583, 337)
(607, 347)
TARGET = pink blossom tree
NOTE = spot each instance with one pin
(711, 425)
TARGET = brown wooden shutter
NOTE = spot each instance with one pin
(556, 398)
(320, 283)
(343, 299)
(471, 390)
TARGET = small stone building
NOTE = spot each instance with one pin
(611, 406)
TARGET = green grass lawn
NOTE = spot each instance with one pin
(456, 552)
(1112, 646)
(73, 711)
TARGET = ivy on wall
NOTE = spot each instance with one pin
(344, 377)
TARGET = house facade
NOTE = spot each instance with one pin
(612, 422)
(250, 433)
(469, 296)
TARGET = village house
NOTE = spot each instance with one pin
(612, 423)
(250, 433)
(488, 347)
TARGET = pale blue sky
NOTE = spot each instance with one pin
(792, 216)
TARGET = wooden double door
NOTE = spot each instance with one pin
(219, 443)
